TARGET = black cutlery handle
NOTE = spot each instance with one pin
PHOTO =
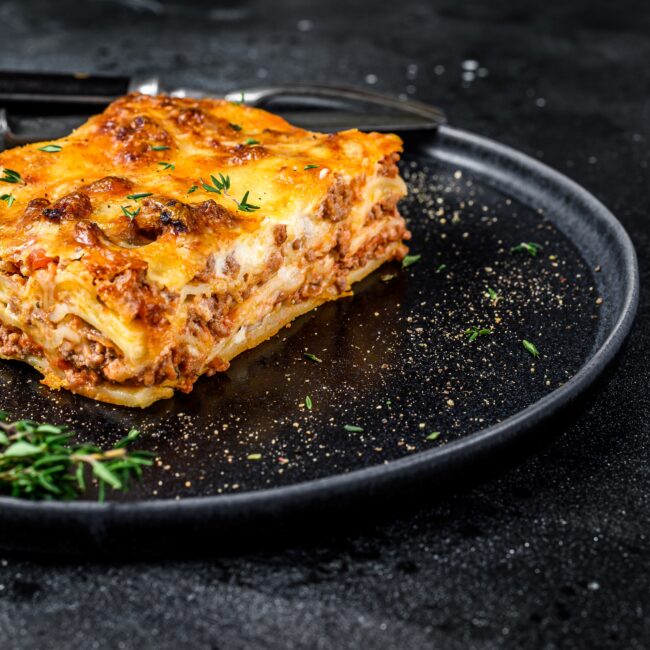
(76, 88)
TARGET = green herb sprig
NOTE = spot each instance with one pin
(409, 260)
(531, 348)
(474, 332)
(137, 197)
(51, 148)
(167, 166)
(528, 247)
(38, 461)
(130, 212)
(245, 206)
(221, 185)
(10, 176)
(8, 199)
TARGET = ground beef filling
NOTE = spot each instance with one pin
(15, 344)
(93, 361)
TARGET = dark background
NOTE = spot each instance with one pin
(550, 553)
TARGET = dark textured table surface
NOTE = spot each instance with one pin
(553, 552)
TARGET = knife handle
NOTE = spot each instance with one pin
(76, 88)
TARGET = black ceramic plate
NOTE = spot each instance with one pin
(242, 454)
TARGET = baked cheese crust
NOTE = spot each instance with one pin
(165, 236)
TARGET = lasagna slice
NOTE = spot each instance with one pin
(165, 236)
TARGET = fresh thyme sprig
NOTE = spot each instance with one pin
(51, 148)
(221, 185)
(245, 206)
(409, 260)
(10, 176)
(493, 296)
(38, 461)
(531, 348)
(131, 213)
(140, 195)
(8, 199)
(529, 247)
(167, 166)
(474, 332)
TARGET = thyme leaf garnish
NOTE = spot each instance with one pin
(221, 185)
(51, 148)
(529, 247)
(167, 165)
(130, 212)
(245, 206)
(312, 357)
(8, 199)
(306, 167)
(474, 332)
(10, 176)
(39, 461)
(410, 260)
(531, 348)
(160, 147)
(137, 197)
(353, 428)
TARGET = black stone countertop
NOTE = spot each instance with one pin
(551, 553)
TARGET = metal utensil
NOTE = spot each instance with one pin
(30, 99)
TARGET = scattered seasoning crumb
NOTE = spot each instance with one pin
(282, 460)
(441, 267)
(410, 260)
(530, 347)
(388, 277)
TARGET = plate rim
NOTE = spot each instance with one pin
(382, 475)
